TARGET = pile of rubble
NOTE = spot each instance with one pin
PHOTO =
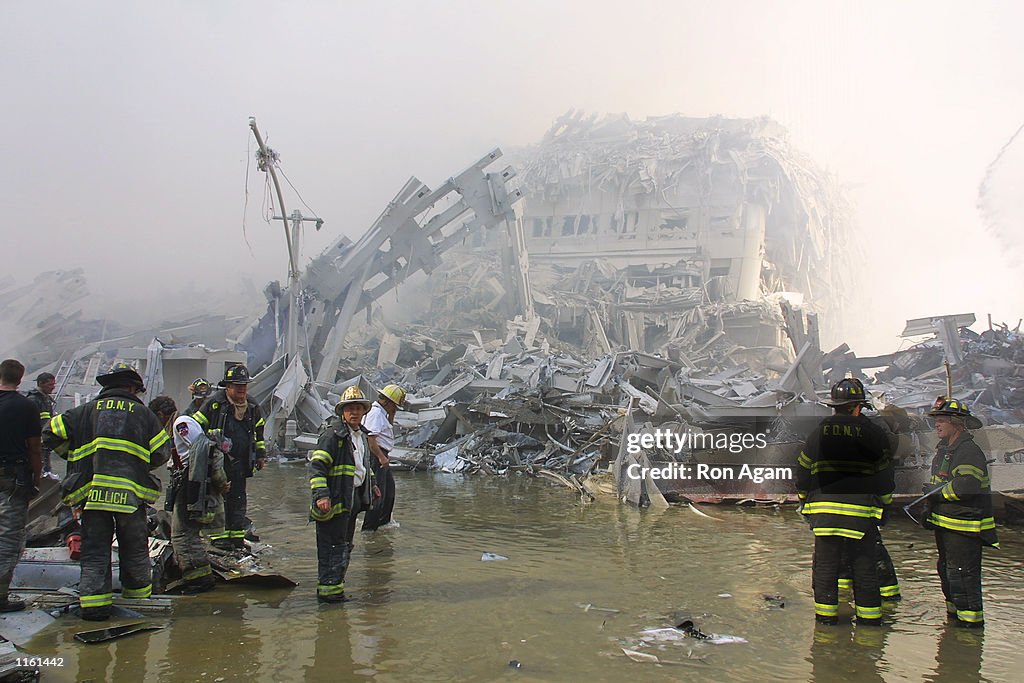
(986, 369)
(516, 405)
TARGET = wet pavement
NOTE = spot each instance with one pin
(580, 583)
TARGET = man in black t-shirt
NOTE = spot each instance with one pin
(20, 469)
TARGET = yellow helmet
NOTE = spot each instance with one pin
(352, 395)
(394, 393)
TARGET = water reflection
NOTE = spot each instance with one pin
(837, 654)
(958, 656)
(427, 608)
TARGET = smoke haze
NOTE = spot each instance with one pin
(126, 149)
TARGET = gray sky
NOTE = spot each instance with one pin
(124, 125)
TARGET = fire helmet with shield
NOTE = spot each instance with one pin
(846, 391)
(951, 407)
(236, 374)
(122, 375)
(350, 396)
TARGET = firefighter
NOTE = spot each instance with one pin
(199, 390)
(239, 420)
(342, 485)
(111, 444)
(960, 510)
(844, 477)
(42, 397)
(889, 584)
(379, 422)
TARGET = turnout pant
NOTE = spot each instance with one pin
(333, 551)
(235, 505)
(13, 517)
(98, 529)
(888, 583)
(828, 554)
(959, 570)
(189, 551)
(380, 514)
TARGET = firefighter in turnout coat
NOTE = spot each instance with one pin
(342, 485)
(239, 419)
(960, 511)
(844, 477)
(111, 444)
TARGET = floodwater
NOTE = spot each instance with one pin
(580, 583)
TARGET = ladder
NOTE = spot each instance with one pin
(63, 374)
(92, 369)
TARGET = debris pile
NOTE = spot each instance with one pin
(987, 369)
(704, 210)
(518, 406)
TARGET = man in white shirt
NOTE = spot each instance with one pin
(186, 523)
(379, 422)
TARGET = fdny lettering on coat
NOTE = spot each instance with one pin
(841, 430)
(115, 404)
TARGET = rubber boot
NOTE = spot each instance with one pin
(95, 613)
(9, 604)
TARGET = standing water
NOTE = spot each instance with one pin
(579, 585)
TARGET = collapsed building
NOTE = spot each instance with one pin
(621, 276)
(663, 234)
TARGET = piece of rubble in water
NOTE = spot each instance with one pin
(105, 634)
(587, 607)
(686, 630)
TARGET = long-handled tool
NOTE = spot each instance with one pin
(906, 508)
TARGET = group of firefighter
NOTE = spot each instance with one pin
(115, 442)
(845, 482)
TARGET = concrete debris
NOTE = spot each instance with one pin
(987, 369)
(669, 272)
(104, 635)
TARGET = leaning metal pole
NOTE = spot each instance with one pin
(267, 159)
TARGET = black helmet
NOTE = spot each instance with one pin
(200, 388)
(122, 375)
(847, 391)
(954, 408)
(236, 374)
